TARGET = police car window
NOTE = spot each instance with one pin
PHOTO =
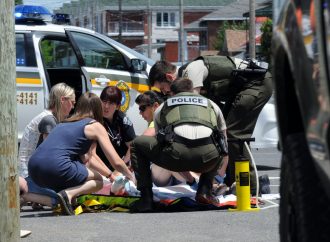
(99, 54)
(58, 54)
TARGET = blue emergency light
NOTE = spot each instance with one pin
(32, 13)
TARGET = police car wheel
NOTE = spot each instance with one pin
(304, 207)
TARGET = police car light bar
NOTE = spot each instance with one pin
(32, 14)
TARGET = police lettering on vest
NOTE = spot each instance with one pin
(193, 100)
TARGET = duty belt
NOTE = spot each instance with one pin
(192, 142)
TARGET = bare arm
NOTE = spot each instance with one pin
(97, 132)
(149, 132)
(187, 176)
(127, 156)
(92, 160)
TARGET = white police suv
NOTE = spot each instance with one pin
(47, 54)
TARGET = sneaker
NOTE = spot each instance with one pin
(264, 183)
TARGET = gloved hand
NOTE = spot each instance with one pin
(118, 186)
(220, 179)
(131, 190)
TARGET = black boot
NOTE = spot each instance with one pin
(145, 203)
(204, 191)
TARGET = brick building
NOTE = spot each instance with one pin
(127, 21)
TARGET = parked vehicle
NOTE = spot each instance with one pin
(47, 54)
(301, 57)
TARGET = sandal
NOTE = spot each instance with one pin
(37, 206)
(65, 204)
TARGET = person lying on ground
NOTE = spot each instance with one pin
(185, 126)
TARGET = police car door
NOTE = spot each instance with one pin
(60, 63)
(106, 65)
(29, 85)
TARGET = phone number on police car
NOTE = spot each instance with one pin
(27, 98)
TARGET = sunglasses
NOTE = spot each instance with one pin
(143, 108)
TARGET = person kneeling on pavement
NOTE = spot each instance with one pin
(188, 128)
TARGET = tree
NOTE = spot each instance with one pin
(266, 39)
(220, 40)
(18, 2)
(9, 206)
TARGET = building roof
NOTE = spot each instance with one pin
(194, 26)
(265, 11)
(233, 11)
(154, 4)
(169, 2)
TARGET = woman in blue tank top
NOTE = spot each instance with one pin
(67, 162)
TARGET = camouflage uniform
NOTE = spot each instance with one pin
(180, 153)
(243, 100)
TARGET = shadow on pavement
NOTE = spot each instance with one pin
(267, 168)
(30, 213)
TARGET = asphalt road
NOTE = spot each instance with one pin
(220, 225)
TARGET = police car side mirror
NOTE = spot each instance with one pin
(138, 65)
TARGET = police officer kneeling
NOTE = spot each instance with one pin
(190, 136)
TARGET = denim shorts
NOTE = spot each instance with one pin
(34, 188)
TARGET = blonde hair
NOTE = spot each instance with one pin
(89, 106)
(59, 90)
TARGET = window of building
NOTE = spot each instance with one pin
(166, 19)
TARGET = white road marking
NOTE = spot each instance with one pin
(274, 205)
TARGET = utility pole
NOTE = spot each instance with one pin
(120, 30)
(252, 30)
(181, 38)
(98, 16)
(149, 30)
(9, 206)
